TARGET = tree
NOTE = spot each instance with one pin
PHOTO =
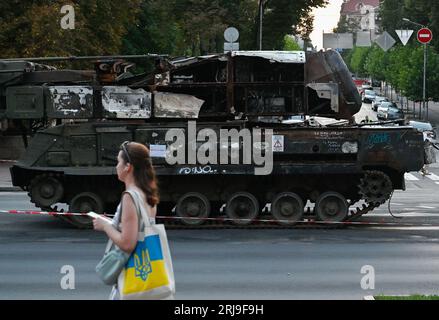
(156, 31)
(174, 27)
(290, 44)
(282, 17)
(391, 13)
(376, 63)
(345, 26)
(358, 60)
(32, 28)
(402, 66)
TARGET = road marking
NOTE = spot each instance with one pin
(426, 207)
(433, 177)
(410, 177)
(430, 228)
(404, 215)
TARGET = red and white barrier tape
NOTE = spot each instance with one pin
(252, 221)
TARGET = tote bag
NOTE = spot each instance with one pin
(148, 274)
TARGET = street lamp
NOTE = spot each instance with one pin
(424, 91)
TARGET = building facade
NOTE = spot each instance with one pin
(360, 15)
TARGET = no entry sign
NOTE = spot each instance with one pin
(425, 35)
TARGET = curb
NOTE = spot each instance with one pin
(10, 189)
(8, 161)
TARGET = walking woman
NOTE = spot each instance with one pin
(134, 168)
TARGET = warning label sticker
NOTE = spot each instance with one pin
(278, 143)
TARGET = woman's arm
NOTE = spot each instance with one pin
(126, 240)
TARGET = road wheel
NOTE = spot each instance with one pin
(287, 208)
(193, 205)
(242, 205)
(45, 190)
(375, 187)
(331, 206)
(82, 203)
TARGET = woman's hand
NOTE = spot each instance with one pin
(100, 224)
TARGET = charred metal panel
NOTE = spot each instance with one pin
(69, 102)
(126, 103)
(327, 91)
(25, 102)
(173, 105)
(327, 67)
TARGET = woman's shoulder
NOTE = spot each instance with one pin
(128, 195)
(140, 194)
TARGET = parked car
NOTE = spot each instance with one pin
(362, 88)
(369, 96)
(394, 113)
(389, 111)
(382, 112)
(378, 101)
(425, 127)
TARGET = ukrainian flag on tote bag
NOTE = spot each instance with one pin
(148, 274)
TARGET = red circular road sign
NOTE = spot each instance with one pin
(425, 35)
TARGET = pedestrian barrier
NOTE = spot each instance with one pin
(310, 221)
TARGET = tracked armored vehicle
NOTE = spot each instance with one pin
(305, 102)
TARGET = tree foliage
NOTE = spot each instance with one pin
(290, 44)
(32, 28)
(402, 66)
(283, 17)
(174, 27)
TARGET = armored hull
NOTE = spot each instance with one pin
(294, 160)
(332, 168)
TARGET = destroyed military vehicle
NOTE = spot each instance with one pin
(306, 101)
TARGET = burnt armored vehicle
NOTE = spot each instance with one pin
(302, 106)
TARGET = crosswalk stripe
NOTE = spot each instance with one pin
(428, 228)
(433, 177)
(410, 177)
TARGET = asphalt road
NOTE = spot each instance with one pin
(242, 264)
(239, 264)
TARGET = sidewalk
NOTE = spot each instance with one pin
(5, 177)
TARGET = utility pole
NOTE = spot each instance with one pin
(261, 14)
(424, 86)
(424, 93)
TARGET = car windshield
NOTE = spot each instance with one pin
(370, 93)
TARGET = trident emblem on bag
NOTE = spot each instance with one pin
(142, 266)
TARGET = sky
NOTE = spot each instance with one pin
(325, 19)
